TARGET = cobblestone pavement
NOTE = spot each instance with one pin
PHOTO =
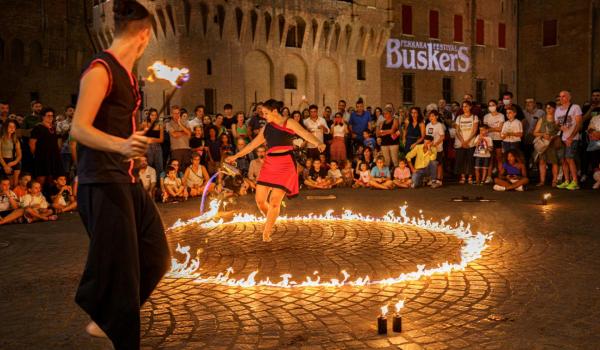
(537, 285)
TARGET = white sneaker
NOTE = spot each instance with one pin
(488, 180)
(436, 184)
(520, 188)
(499, 188)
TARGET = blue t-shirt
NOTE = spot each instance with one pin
(359, 123)
(377, 173)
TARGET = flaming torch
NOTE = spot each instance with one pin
(397, 321)
(175, 76)
(382, 320)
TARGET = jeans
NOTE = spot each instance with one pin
(419, 174)
(155, 157)
(390, 154)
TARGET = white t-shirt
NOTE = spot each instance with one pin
(194, 123)
(334, 174)
(314, 127)
(466, 126)
(147, 177)
(339, 130)
(571, 123)
(483, 148)
(436, 130)
(5, 201)
(170, 182)
(29, 201)
(595, 123)
(513, 126)
(494, 121)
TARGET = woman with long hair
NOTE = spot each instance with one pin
(339, 129)
(128, 252)
(156, 136)
(414, 129)
(10, 152)
(239, 128)
(547, 129)
(278, 174)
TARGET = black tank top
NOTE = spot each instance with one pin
(116, 116)
(155, 134)
(387, 140)
(278, 136)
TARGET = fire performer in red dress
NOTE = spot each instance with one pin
(278, 175)
(128, 252)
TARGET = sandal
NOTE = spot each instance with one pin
(539, 184)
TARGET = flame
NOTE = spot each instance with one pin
(175, 76)
(473, 246)
(547, 196)
(384, 311)
(399, 305)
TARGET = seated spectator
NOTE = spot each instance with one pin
(197, 144)
(425, 163)
(21, 188)
(195, 177)
(334, 174)
(62, 196)
(347, 174)
(173, 186)
(243, 163)
(364, 176)
(255, 166)
(35, 205)
(175, 164)
(307, 166)
(380, 176)
(9, 204)
(402, 177)
(323, 160)
(226, 146)
(317, 177)
(484, 146)
(513, 174)
(369, 140)
(147, 177)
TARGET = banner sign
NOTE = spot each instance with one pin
(421, 55)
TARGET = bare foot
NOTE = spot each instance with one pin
(267, 237)
(94, 330)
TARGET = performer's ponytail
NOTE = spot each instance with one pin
(273, 104)
(130, 16)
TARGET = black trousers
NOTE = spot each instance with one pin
(128, 255)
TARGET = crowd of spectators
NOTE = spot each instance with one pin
(497, 143)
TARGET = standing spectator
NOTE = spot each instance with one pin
(257, 122)
(4, 112)
(483, 153)
(36, 115)
(63, 127)
(547, 129)
(507, 101)
(512, 131)
(195, 177)
(318, 127)
(156, 136)
(368, 140)
(380, 176)
(494, 121)
(387, 131)
(148, 177)
(402, 177)
(339, 129)
(255, 166)
(198, 145)
(445, 113)
(180, 138)
(221, 129)
(436, 130)
(531, 116)
(239, 129)
(228, 117)
(593, 149)
(414, 130)
(198, 117)
(466, 126)
(377, 118)
(207, 125)
(226, 148)
(285, 112)
(425, 163)
(569, 117)
(214, 150)
(35, 205)
(62, 196)
(9, 203)
(243, 163)
(44, 146)
(342, 110)
(513, 174)
(359, 122)
(10, 152)
(589, 111)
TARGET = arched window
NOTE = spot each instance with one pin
(208, 67)
(35, 53)
(295, 33)
(17, 52)
(290, 82)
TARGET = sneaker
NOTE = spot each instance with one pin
(563, 185)
(499, 188)
(572, 186)
(520, 188)
(436, 184)
(488, 180)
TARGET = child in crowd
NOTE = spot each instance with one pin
(323, 160)
(21, 189)
(402, 175)
(317, 177)
(369, 140)
(483, 154)
(307, 167)
(9, 204)
(380, 175)
(36, 205)
(347, 174)
(174, 188)
(364, 177)
(513, 173)
(334, 174)
(62, 195)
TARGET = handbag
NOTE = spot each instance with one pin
(540, 144)
(593, 146)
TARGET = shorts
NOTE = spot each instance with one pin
(568, 152)
(508, 146)
(482, 162)
(497, 144)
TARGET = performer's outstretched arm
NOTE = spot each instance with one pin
(94, 86)
(300, 130)
(257, 141)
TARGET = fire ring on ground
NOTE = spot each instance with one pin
(189, 265)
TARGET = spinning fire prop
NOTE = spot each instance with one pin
(175, 76)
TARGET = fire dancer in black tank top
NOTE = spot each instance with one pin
(128, 252)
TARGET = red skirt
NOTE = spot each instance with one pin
(279, 171)
(338, 149)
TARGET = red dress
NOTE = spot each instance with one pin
(279, 168)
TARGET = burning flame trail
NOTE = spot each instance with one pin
(175, 76)
(473, 246)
